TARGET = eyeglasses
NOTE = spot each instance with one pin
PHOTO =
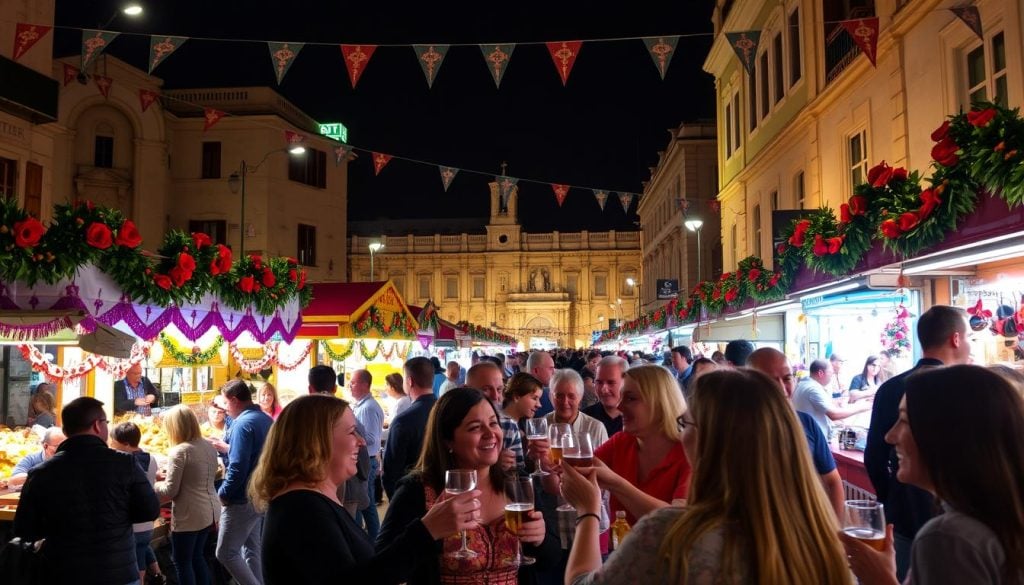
(101, 420)
(683, 422)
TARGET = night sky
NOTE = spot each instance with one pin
(602, 131)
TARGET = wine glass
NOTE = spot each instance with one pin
(537, 430)
(581, 451)
(460, 481)
(568, 444)
(865, 521)
(518, 505)
(557, 432)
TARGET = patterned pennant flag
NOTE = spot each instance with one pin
(146, 98)
(447, 176)
(283, 55)
(161, 48)
(341, 152)
(95, 42)
(103, 84)
(26, 35)
(661, 50)
(356, 58)
(293, 138)
(211, 117)
(561, 191)
(602, 198)
(379, 161)
(745, 45)
(626, 199)
(497, 57)
(865, 33)
(505, 186)
(968, 14)
(70, 74)
(564, 54)
(430, 58)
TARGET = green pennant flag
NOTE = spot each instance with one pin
(430, 58)
(601, 196)
(95, 42)
(745, 44)
(161, 47)
(661, 50)
(497, 57)
(283, 55)
(447, 176)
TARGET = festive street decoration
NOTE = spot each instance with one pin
(601, 197)
(252, 366)
(661, 50)
(70, 73)
(94, 42)
(290, 364)
(480, 333)
(283, 55)
(193, 357)
(356, 58)
(373, 319)
(54, 372)
(147, 98)
(365, 351)
(447, 176)
(744, 43)
(430, 57)
(564, 55)
(103, 83)
(341, 152)
(210, 117)
(26, 35)
(626, 199)
(380, 160)
(896, 333)
(561, 192)
(864, 32)
(497, 57)
(970, 16)
(161, 47)
(340, 354)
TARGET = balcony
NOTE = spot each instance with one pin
(26, 93)
(840, 48)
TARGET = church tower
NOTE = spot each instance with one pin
(503, 230)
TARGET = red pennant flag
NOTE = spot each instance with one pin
(103, 84)
(865, 33)
(70, 74)
(146, 98)
(561, 191)
(26, 35)
(341, 152)
(379, 160)
(356, 58)
(564, 54)
(212, 116)
(293, 138)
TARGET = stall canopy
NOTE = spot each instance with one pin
(442, 333)
(354, 310)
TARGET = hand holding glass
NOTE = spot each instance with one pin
(518, 505)
(537, 430)
(460, 481)
(865, 521)
(557, 433)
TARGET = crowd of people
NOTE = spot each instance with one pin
(721, 464)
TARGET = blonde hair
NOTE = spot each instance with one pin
(659, 391)
(42, 402)
(753, 479)
(181, 425)
(298, 447)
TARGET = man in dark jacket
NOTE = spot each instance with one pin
(942, 332)
(83, 502)
(408, 429)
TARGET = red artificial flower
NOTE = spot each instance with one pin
(980, 119)
(944, 152)
(797, 239)
(781, 248)
(179, 276)
(774, 280)
(201, 240)
(268, 277)
(292, 261)
(89, 205)
(907, 221)
(929, 199)
(128, 236)
(844, 213)
(163, 281)
(753, 274)
(223, 259)
(899, 174)
(941, 132)
(880, 175)
(292, 275)
(890, 229)
(717, 293)
(834, 244)
(731, 294)
(858, 205)
(302, 280)
(820, 247)
(187, 264)
(725, 276)
(28, 232)
(256, 287)
(257, 261)
(246, 284)
(98, 235)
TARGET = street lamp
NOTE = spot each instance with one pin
(236, 182)
(694, 225)
(375, 247)
(635, 284)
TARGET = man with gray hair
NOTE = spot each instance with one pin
(52, 439)
(609, 386)
(567, 391)
(542, 366)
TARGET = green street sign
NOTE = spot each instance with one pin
(336, 131)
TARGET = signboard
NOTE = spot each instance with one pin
(668, 288)
(335, 130)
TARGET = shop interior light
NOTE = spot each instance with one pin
(969, 260)
(779, 308)
(830, 291)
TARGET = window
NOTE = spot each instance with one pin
(762, 74)
(794, 47)
(986, 71)
(774, 200)
(33, 188)
(858, 159)
(8, 177)
(627, 289)
(755, 217)
(424, 286)
(211, 160)
(600, 285)
(752, 92)
(217, 229)
(728, 129)
(103, 153)
(451, 287)
(478, 287)
(800, 194)
(736, 120)
(399, 282)
(777, 67)
(309, 169)
(307, 245)
(571, 284)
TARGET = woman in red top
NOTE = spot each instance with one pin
(644, 466)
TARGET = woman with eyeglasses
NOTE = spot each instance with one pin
(756, 512)
(866, 383)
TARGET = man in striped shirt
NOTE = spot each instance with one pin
(486, 377)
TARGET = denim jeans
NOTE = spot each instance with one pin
(369, 513)
(144, 555)
(239, 543)
(187, 555)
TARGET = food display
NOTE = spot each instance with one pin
(15, 444)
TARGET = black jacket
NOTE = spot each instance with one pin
(123, 404)
(83, 501)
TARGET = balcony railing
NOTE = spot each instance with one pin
(840, 48)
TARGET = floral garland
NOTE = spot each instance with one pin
(366, 353)
(373, 319)
(387, 354)
(185, 267)
(429, 321)
(54, 372)
(339, 356)
(268, 358)
(479, 333)
(301, 359)
(896, 333)
(195, 357)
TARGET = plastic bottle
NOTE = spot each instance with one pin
(619, 529)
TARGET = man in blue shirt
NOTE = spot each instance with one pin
(52, 439)
(542, 366)
(371, 415)
(239, 546)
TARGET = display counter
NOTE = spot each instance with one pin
(850, 463)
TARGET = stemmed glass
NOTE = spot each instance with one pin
(460, 481)
(537, 430)
(865, 521)
(518, 505)
(580, 453)
(567, 443)
(557, 432)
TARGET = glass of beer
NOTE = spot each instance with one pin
(865, 521)
(518, 505)
(537, 430)
(558, 433)
(581, 451)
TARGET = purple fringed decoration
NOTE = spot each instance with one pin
(36, 331)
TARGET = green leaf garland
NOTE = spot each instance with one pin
(190, 358)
